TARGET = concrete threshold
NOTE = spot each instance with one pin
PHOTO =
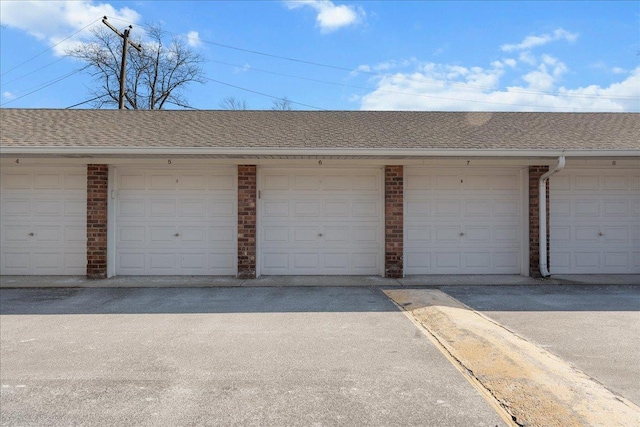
(288, 281)
(533, 386)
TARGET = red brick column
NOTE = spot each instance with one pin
(247, 193)
(394, 221)
(97, 198)
(535, 172)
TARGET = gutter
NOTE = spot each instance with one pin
(264, 151)
(542, 214)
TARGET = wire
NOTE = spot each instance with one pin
(34, 71)
(368, 88)
(265, 94)
(47, 50)
(88, 100)
(45, 85)
(375, 74)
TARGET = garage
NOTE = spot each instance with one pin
(595, 221)
(318, 221)
(175, 222)
(43, 221)
(463, 221)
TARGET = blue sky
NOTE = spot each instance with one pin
(351, 55)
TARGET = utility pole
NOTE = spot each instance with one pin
(125, 43)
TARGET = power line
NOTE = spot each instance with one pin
(418, 95)
(264, 94)
(47, 50)
(45, 85)
(35, 71)
(412, 78)
(87, 101)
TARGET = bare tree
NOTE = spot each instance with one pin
(155, 77)
(283, 104)
(231, 103)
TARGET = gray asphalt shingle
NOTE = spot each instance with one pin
(245, 130)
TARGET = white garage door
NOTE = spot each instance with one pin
(43, 222)
(176, 222)
(464, 221)
(595, 222)
(320, 221)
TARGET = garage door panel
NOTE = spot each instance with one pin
(306, 182)
(480, 260)
(131, 181)
(306, 208)
(43, 221)
(275, 208)
(586, 234)
(447, 182)
(507, 235)
(365, 261)
(560, 208)
(448, 234)
(176, 222)
(16, 180)
(447, 208)
(18, 207)
(274, 234)
(48, 181)
(338, 182)
(161, 181)
(617, 234)
(306, 261)
(448, 261)
(584, 181)
(616, 207)
(462, 221)
(617, 260)
(417, 235)
(506, 208)
(336, 208)
(602, 223)
(480, 235)
(223, 209)
(506, 260)
(477, 208)
(368, 209)
(370, 181)
(305, 235)
(320, 221)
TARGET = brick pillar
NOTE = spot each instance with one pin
(535, 172)
(394, 221)
(247, 193)
(97, 198)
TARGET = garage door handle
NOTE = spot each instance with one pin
(31, 234)
(177, 234)
(601, 234)
(320, 235)
(461, 234)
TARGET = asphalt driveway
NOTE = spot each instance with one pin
(596, 328)
(224, 356)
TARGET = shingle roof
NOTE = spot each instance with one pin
(296, 130)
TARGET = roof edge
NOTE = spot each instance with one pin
(317, 152)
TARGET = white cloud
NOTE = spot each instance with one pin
(535, 84)
(441, 87)
(8, 95)
(535, 41)
(331, 17)
(193, 39)
(54, 21)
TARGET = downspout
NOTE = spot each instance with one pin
(542, 204)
